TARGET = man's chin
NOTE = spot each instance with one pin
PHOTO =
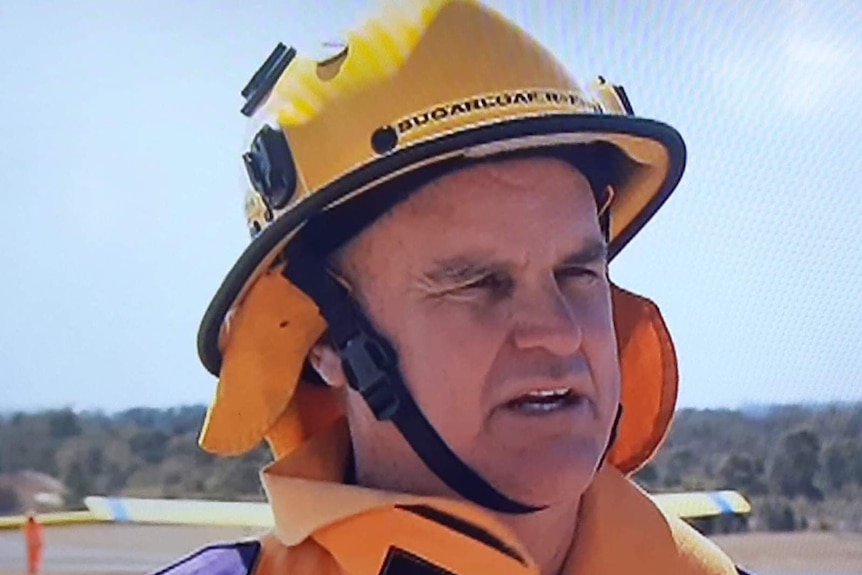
(548, 478)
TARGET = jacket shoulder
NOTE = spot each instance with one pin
(698, 553)
(236, 558)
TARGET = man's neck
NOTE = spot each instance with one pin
(548, 534)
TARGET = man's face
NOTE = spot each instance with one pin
(491, 284)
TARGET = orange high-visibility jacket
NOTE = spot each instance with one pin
(324, 527)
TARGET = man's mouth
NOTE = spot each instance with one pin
(545, 400)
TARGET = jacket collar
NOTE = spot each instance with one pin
(620, 529)
(306, 491)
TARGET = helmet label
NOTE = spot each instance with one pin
(523, 98)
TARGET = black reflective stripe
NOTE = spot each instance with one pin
(464, 527)
(401, 562)
(742, 571)
(371, 366)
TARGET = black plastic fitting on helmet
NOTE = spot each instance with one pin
(266, 77)
(270, 167)
(624, 98)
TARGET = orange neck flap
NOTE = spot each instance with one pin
(260, 395)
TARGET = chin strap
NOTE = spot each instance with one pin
(371, 366)
(613, 437)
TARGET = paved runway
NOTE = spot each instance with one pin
(111, 549)
(142, 549)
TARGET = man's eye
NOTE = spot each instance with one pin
(577, 273)
(491, 282)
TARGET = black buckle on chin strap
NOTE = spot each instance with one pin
(367, 359)
(367, 365)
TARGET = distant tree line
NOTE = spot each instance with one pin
(800, 466)
(139, 452)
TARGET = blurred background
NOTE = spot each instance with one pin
(122, 188)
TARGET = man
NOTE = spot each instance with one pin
(423, 328)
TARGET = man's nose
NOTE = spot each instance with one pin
(544, 319)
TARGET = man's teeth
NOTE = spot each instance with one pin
(548, 393)
(542, 400)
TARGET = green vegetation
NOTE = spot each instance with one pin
(800, 466)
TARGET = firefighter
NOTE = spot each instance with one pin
(424, 328)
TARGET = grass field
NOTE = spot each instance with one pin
(140, 549)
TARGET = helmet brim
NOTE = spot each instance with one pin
(633, 135)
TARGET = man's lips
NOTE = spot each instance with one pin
(545, 400)
(546, 396)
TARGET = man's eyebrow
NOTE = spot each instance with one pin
(458, 269)
(463, 268)
(594, 251)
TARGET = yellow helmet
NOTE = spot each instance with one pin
(426, 81)
(427, 84)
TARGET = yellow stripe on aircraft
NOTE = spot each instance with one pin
(690, 505)
(181, 511)
(700, 504)
(53, 518)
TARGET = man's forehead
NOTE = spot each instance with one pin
(481, 209)
(495, 174)
(468, 201)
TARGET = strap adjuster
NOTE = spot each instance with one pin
(367, 364)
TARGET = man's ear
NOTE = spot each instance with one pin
(327, 364)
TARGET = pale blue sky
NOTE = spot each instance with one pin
(120, 176)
